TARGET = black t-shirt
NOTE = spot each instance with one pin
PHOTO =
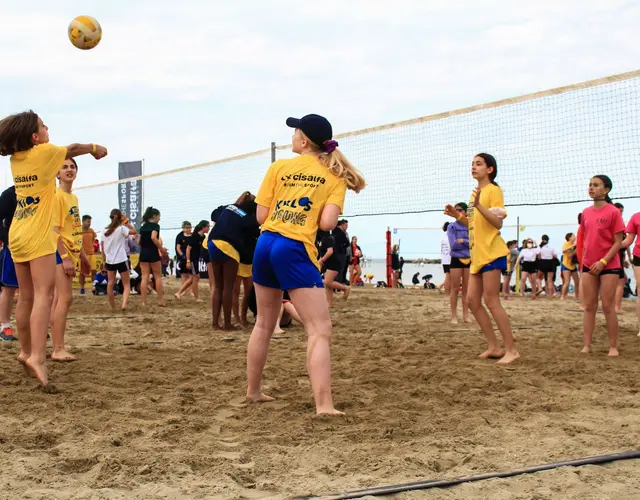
(146, 243)
(195, 242)
(8, 204)
(327, 242)
(182, 240)
(341, 241)
(238, 227)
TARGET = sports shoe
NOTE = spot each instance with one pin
(82, 291)
(6, 335)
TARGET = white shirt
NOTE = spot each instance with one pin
(529, 254)
(547, 252)
(445, 252)
(115, 245)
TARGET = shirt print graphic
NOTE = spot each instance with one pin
(26, 207)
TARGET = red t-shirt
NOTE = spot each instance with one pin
(599, 227)
(579, 245)
(634, 228)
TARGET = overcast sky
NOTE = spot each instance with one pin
(178, 83)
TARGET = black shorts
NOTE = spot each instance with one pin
(447, 268)
(336, 262)
(636, 260)
(150, 255)
(122, 267)
(604, 272)
(457, 264)
(194, 268)
(529, 267)
(333, 264)
(546, 265)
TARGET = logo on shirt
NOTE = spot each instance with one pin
(304, 203)
(302, 180)
(26, 207)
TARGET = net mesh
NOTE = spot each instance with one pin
(548, 145)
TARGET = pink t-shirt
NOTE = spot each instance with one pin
(599, 227)
(634, 228)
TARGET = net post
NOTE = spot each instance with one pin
(517, 269)
(273, 152)
(389, 271)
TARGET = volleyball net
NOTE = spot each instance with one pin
(548, 145)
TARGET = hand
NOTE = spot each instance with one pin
(451, 211)
(85, 265)
(69, 268)
(476, 200)
(100, 152)
(596, 269)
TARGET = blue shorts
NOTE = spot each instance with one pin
(7, 269)
(280, 262)
(58, 259)
(215, 254)
(564, 268)
(498, 264)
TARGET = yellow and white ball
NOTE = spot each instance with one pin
(85, 32)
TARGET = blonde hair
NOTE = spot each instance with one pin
(340, 166)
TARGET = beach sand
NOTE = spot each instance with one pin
(155, 406)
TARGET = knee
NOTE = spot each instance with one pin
(320, 329)
(473, 303)
(607, 307)
(492, 302)
(590, 306)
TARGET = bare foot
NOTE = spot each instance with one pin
(586, 350)
(509, 357)
(330, 413)
(454, 321)
(260, 398)
(346, 293)
(38, 369)
(162, 304)
(278, 331)
(231, 328)
(613, 352)
(468, 320)
(638, 334)
(22, 359)
(63, 356)
(492, 354)
(177, 296)
(619, 311)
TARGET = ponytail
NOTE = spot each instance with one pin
(200, 226)
(150, 213)
(332, 158)
(116, 217)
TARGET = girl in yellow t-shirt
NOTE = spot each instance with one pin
(297, 197)
(488, 256)
(34, 166)
(68, 227)
(570, 267)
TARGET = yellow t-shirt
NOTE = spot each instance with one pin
(34, 175)
(296, 190)
(485, 242)
(66, 216)
(566, 260)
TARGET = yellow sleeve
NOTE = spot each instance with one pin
(337, 194)
(496, 199)
(268, 186)
(51, 158)
(58, 211)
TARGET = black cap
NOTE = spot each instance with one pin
(315, 127)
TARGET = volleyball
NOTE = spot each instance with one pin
(85, 32)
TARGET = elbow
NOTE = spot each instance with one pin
(327, 225)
